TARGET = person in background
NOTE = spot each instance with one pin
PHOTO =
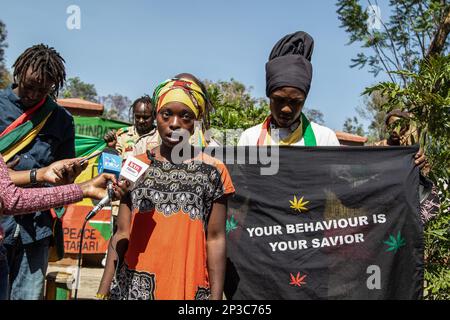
(288, 81)
(170, 242)
(39, 132)
(14, 200)
(136, 139)
(142, 135)
(403, 132)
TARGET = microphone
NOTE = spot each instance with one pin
(109, 162)
(98, 207)
(133, 169)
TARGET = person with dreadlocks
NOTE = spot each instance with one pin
(135, 139)
(170, 241)
(15, 200)
(38, 132)
(139, 137)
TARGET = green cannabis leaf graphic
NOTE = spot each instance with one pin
(395, 243)
(231, 224)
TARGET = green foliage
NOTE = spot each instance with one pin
(234, 108)
(5, 77)
(437, 254)
(353, 126)
(407, 37)
(3, 44)
(373, 112)
(427, 99)
(75, 88)
(412, 46)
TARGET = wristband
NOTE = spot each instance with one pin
(33, 173)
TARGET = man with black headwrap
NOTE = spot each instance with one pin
(288, 80)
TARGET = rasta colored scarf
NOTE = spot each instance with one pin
(24, 129)
(190, 94)
(304, 130)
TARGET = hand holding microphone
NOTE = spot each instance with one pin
(104, 186)
(129, 173)
(109, 163)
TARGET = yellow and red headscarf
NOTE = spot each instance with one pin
(185, 91)
(180, 90)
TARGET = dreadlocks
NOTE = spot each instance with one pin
(44, 60)
(146, 99)
(208, 104)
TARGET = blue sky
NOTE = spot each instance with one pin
(127, 47)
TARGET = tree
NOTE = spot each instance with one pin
(314, 115)
(412, 48)
(372, 111)
(117, 107)
(4, 74)
(427, 99)
(231, 92)
(353, 126)
(234, 108)
(5, 78)
(416, 29)
(75, 88)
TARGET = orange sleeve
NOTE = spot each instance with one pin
(225, 178)
(143, 157)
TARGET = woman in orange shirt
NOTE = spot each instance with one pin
(170, 241)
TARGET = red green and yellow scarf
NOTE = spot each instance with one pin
(24, 129)
(304, 130)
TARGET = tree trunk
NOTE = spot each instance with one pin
(438, 43)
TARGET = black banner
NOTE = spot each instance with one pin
(332, 223)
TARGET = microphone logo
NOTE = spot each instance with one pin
(113, 163)
(133, 169)
(135, 166)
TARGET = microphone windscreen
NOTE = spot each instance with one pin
(109, 163)
(133, 169)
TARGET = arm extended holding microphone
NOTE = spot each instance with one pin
(16, 200)
(109, 162)
(132, 170)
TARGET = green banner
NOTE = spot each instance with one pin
(96, 126)
(85, 145)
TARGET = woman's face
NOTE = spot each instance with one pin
(171, 117)
(286, 105)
